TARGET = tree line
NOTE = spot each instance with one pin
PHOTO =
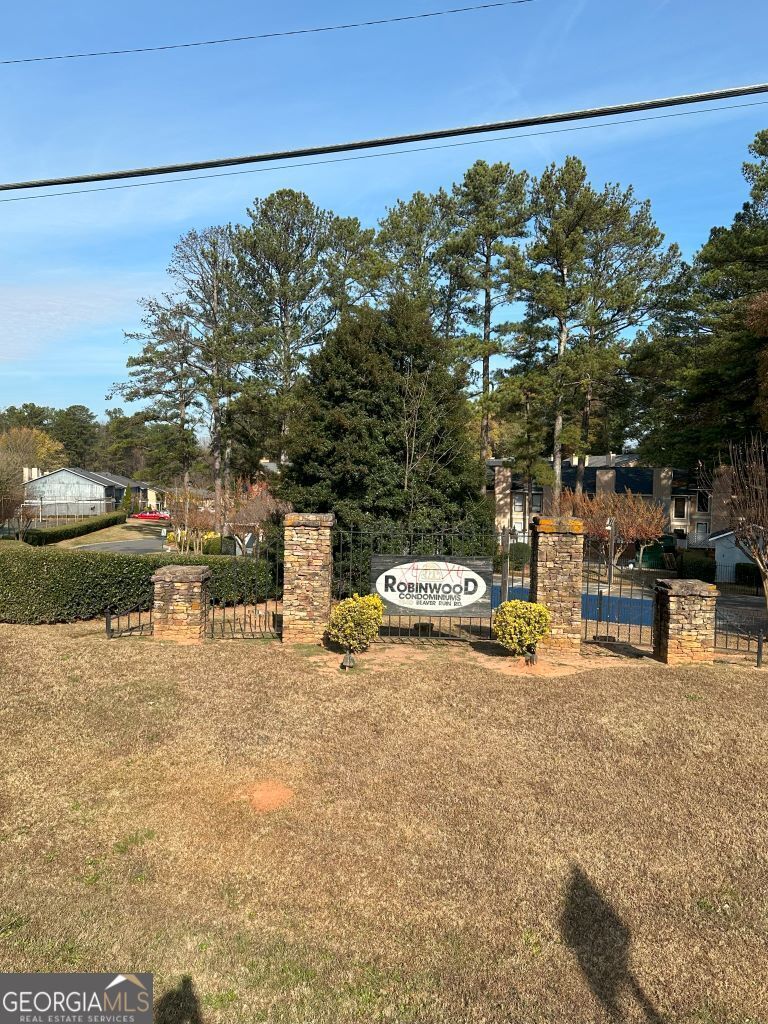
(367, 360)
(521, 317)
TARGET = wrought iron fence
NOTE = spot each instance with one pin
(507, 555)
(246, 596)
(740, 631)
(134, 621)
(617, 600)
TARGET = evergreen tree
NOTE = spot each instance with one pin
(416, 259)
(385, 428)
(299, 268)
(597, 268)
(163, 375)
(491, 210)
(77, 430)
(702, 370)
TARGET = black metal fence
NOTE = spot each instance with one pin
(248, 605)
(617, 600)
(507, 554)
(741, 631)
(135, 621)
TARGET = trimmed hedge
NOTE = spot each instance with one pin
(519, 555)
(53, 534)
(693, 567)
(52, 585)
(747, 575)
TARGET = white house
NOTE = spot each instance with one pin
(727, 555)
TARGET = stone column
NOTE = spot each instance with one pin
(684, 622)
(180, 607)
(308, 576)
(557, 566)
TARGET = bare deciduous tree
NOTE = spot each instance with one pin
(191, 519)
(747, 506)
(249, 507)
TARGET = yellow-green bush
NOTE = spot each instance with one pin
(355, 621)
(520, 625)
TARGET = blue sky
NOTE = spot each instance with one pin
(72, 268)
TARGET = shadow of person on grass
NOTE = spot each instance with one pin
(179, 1005)
(600, 939)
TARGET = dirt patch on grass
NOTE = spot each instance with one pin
(486, 656)
(265, 796)
(464, 845)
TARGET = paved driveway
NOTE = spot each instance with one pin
(144, 546)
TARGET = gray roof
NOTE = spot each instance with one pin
(96, 478)
(124, 481)
(719, 534)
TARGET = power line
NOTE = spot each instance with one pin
(271, 35)
(391, 152)
(393, 140)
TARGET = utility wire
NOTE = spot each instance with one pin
(391, 152)
(271, 35)
(393, 140)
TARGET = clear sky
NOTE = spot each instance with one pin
(72, 268)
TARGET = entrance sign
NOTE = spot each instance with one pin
(433, 586)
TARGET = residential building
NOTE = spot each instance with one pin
(728, 555)
(693, 509)
(79, 492)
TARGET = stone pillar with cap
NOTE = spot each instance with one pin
(307, 577)
(557, 566)
(684, 622)
(180, 603)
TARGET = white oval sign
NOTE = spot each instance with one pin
(430, 586)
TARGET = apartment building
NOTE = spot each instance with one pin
(693, 510)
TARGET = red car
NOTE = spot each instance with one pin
(153, 516)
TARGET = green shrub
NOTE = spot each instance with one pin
(520, 625)
(746, 574)
(53, 585)
(212, 546)
(355, 621)
(519, 555)
(693, 567)
(53, 534)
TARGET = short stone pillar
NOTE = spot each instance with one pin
(180, 606)
(308, 576)
(557, 567)
(684, 622)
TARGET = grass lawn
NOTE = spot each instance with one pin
(136, 530)
(424, 841)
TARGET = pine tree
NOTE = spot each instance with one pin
(491, 210)
(596, 270)
(701, 369)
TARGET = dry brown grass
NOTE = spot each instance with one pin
(457, 844)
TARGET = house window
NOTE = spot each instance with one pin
(678, 508)
(702, 501)
(517, 502)
(536, 503)
(702, 530)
